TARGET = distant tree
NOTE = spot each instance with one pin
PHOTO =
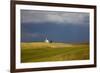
(50, 41)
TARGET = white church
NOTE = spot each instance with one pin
(46, 40)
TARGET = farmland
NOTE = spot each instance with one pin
(44, 52)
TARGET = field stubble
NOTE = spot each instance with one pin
(43, 52)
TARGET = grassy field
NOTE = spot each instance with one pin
(43, 52)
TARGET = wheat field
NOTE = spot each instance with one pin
(45, 52)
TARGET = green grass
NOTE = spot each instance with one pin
(43, 52)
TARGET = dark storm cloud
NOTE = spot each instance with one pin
(57, 26)
(30, 16)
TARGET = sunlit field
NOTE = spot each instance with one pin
(45, 52)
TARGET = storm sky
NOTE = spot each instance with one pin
(56, 26)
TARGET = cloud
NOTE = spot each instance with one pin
(33, 35)
(31, 16)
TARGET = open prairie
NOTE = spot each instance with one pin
(44, 52)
